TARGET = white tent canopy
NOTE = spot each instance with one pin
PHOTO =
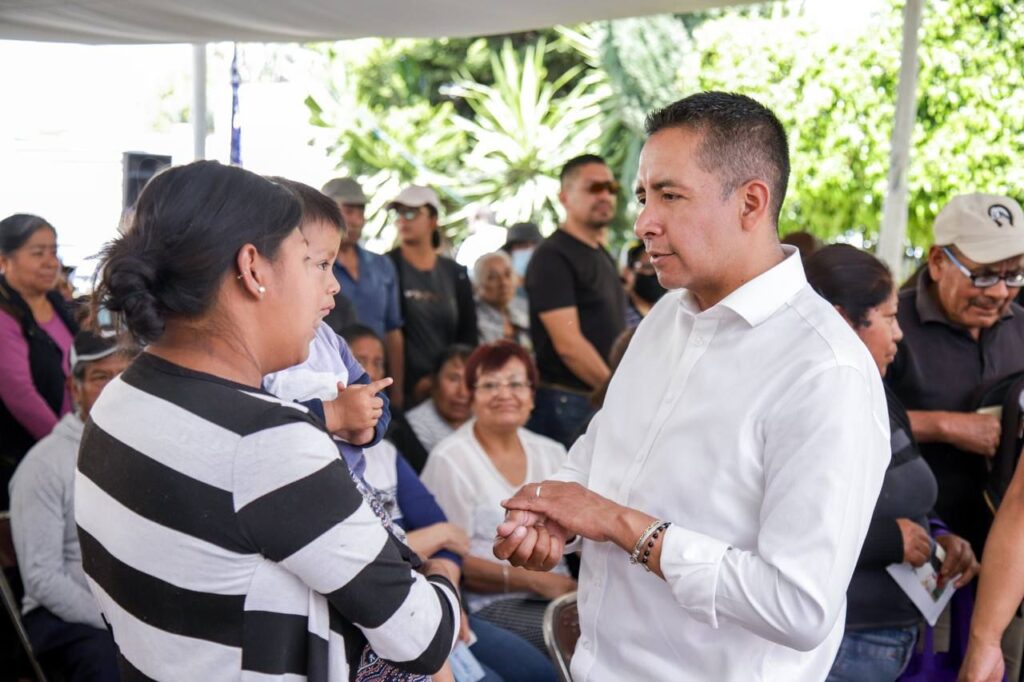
(206, 21)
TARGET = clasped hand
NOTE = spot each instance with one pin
(536, 527)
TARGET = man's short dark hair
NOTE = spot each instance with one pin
(574, 164)
(743, 140)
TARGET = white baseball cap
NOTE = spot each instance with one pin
(415, 196)
(987, 228)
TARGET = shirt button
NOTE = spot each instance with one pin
(586, 645)
(698, 340)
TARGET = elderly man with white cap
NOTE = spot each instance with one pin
(435, 294)
(61, 616)
(962, 332)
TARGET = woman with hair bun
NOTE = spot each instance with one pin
(221, 533)
(36, 330)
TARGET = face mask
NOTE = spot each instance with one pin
(520, 259)
(647, 288)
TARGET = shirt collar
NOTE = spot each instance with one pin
(761, 297)
(927, 303)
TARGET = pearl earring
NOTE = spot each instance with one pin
(262, 289)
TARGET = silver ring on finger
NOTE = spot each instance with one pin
(537, 492)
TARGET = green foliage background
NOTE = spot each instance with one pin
(492, 120)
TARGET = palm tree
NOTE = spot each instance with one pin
(523, 130)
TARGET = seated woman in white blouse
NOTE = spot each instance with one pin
(486, 461)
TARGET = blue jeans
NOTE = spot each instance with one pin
(560, 415)
(71, 651)
(508, 657)
(875, 655)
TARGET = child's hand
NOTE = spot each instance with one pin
(357, 409)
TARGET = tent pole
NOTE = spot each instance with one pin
(199, 100)
(893, 231)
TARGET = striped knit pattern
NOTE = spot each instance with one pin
(224, 539)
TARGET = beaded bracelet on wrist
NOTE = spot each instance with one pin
(650, 545)
(642, 550)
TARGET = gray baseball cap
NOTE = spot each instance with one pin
(345, 191)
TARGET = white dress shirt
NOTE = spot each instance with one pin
(759, 428)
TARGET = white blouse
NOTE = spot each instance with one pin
(470, 489)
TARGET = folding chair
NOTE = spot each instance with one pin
(9, 561)
(561, 631)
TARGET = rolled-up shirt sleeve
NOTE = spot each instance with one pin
(825, 454)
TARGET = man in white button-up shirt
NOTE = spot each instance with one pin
(745, 412)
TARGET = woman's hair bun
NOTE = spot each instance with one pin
(130, 282)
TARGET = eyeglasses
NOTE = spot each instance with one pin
(986, 279)
(492, 387)
(407, 213)
(609, 185)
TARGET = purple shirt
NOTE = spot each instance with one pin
(17, 391)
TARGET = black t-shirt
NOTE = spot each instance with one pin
(438, 309)
(567, 273)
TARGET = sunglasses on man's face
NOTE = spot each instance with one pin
(407, 213)
(609, 186)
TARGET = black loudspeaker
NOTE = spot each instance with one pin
(139, 167)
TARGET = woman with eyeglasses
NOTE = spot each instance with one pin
(435, 293)
(881, 621)
(36, 331)
(484, 462)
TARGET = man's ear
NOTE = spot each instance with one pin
(74, 389)
(936, 261)
(756, 198)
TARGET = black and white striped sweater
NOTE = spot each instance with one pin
(224, 539)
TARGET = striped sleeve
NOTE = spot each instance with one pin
(297, 503)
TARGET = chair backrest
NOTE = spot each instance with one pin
(561, 631)
(7, 562)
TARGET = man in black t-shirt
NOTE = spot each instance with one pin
(577, 303)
